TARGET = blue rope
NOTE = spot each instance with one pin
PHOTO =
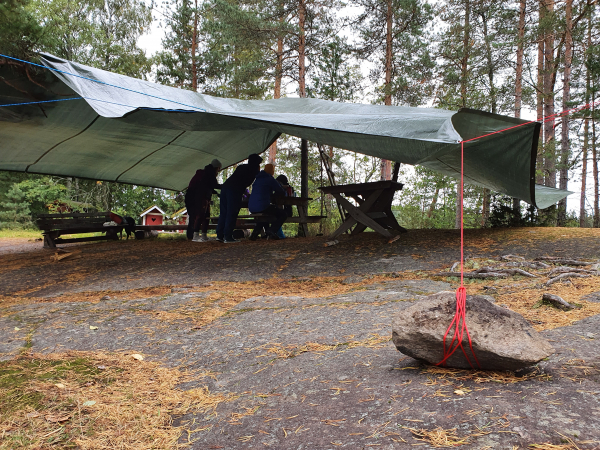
(42, 101)
(96, 100)
(98, 81)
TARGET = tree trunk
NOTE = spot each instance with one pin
(564, 140)
(540, 97)
(459, 200)
(516, 211)
(490, 65)
(586, 136)
(465, 58)
(302, 49)
(302, 92)
(485, 206)
(584, 158)
(595, 166)
(433, 202)
(549, 141)
(516, 206)
(386, 165)
(194, 46)
(463, 95)
(520, 50)
(277, 91)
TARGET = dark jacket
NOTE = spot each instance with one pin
(244, 175)
(202, 184)
(262, 190)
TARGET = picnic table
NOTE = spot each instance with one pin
(374, 208)
(56, 225)
(250, 221)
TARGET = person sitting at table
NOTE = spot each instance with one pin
(232, 191)
(197, 200)
(289, 192)
(263, 189)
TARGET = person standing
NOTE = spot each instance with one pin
(289, 192)
(263, 189)
(197, 200)
(232, 191)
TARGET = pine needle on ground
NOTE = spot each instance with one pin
(439, 438)
(94, 400)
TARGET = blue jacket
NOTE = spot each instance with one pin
(263, 188)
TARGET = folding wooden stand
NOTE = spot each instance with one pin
(374, 208)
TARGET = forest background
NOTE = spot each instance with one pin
(523, 57)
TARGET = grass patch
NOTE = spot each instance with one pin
(22, 234)
(90, 400)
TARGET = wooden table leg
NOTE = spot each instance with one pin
(349, 223)
(358, 229)
(360, 215)
(302, 212)
(346, 225)
(394, 223)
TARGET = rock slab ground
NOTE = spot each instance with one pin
(307, 397)
(501, 339)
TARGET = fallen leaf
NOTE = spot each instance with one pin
(32, 415)
(60, 385)
(137, 356)
(89, 403)
(55, 419)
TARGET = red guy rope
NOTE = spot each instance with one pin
(459, 323)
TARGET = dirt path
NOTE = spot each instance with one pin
(307, 353)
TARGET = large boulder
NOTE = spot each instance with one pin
(501, 339)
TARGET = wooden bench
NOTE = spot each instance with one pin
(56, 225)
(249, 221)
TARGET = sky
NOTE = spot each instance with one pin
(151, 44)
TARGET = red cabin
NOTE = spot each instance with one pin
(181, 218)
(153, 216)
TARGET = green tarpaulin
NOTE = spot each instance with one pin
(134, 131)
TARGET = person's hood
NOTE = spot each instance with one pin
(254, 159)
(282, 179)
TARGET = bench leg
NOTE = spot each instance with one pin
(49, 240)
(112, 235)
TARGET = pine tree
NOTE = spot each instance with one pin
(99, 33)
(20, 32)
(180, 63)
(392, 34)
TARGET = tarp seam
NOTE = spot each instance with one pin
(150, 154)
(61, 142)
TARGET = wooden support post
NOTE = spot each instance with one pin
(396, 171)
(331, 176)
(303, 228)
(304, 168)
